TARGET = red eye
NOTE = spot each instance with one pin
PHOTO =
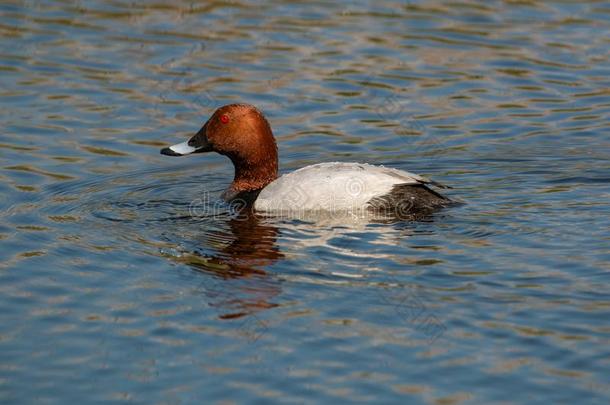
(224, 118)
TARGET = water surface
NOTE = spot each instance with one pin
(124, 279)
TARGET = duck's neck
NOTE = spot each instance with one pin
(251, 176)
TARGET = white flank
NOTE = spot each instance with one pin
(331, 187)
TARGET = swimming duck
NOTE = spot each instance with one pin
(243, 134)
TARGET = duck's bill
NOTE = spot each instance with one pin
(194, 145)
(179, 149)
(197, 144)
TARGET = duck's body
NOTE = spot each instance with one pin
(347, 186)
(242, 133)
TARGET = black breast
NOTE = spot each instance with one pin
(241, 199)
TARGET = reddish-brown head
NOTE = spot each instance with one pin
(242, 133)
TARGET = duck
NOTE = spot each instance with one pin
(243, 134)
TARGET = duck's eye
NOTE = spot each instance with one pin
(224, 118)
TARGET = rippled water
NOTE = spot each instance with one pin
(124, 279)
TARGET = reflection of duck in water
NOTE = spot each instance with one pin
(242, 133)
(253, 246)
(235, 280)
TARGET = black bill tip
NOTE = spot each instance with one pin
(169, 152)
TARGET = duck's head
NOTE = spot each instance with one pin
(242, 133)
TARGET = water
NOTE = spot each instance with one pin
(123, 279)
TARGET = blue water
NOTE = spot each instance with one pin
(124, 279)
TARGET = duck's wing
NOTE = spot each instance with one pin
(408, 177)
